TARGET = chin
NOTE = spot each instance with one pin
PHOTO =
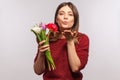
(65, 26)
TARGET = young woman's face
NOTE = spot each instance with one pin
(65, 18)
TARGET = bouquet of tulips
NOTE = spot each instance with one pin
(40, 32)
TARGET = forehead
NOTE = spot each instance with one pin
(65, 9)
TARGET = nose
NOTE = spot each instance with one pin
(65, 16)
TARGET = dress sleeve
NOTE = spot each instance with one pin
(82, 49)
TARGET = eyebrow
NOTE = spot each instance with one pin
(64, 11)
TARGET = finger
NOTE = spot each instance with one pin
(75, 33)
(68, 32)
(44, 49)
(41, 42)
(62, 33)
(44, 46)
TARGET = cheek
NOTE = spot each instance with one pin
(58, 20)
(71, 21)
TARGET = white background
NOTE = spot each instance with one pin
(99, 19)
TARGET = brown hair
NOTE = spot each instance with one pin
(75, 26)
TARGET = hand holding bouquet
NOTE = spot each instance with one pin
(40, 32)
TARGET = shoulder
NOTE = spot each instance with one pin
(83, 38)
(83, 35)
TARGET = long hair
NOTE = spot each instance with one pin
(75, 26)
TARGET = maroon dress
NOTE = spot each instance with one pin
(59, 53)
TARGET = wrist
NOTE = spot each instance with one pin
(41, 54)
(70, 41)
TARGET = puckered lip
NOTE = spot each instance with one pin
(65, 22)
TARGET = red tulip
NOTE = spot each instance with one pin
(52, 27)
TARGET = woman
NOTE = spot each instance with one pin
(69, 48)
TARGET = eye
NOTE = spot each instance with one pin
(61, 13)
(70, 14)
